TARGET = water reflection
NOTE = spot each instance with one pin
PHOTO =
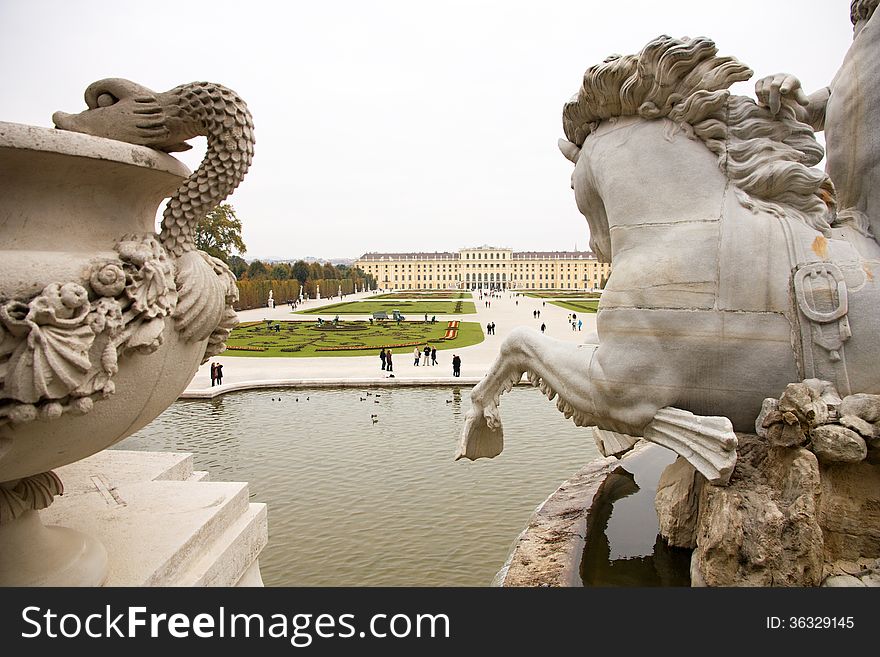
(361, 486)
(623, 545)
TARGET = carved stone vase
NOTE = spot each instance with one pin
(95, 341)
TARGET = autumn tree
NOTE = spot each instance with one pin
(238, 265)
(280, 271)
(301, 271)
(219, 233)
(257, 270)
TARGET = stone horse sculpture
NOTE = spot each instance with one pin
(731, 274)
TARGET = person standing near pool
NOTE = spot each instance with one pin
(456, 365)
(218, 371)
(416, 355)
(213, 374)
(427, 351)
(433, 355)
(382, 357)
(388, 361)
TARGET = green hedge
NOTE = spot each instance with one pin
(255, 293)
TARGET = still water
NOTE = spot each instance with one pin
(361, 486)
(624, 546)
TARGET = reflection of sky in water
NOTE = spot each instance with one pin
(623, 547)
(358, 502)
(632, 527)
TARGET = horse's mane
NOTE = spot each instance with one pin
(862, 10)
(768, 158)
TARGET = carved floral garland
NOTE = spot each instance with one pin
(59, 351)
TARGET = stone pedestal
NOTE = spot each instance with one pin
(162, 523)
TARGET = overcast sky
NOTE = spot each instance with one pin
(393, 126)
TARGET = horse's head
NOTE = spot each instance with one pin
(589, 201)
(681, 86)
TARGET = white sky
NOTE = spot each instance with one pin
(393, 126)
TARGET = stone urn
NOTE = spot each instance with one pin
(103, 322)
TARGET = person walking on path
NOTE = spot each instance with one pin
(580, 324)
(456, 365)
(543, 327)
(219, 373)
(416, 355)
(489, 329)
(382, 357)
(427, 351)
(213, 374)
(433, 355)
(388, 360)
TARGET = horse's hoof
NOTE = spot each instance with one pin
(478, 440)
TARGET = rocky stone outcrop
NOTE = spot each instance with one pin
(800, 409)
(861, 573)
(849, 510)
(811, 413)
(832, 442)
(611, 443)
(677, 501)
(762, 529)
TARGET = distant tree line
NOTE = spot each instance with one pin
(286, 279)
(219, 234)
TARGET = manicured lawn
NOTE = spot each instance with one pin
(562, 294)
(425, 294)
(585, 306)
(360, 338)
(409, 309)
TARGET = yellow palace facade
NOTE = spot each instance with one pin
(486, 267)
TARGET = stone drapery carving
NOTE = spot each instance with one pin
(60, 350)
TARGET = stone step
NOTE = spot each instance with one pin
(127, 466)
(229, 557)
(211, 510)
(161, 532)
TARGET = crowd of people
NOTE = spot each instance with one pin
(425, 356)
(429, 352)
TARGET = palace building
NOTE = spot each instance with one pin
(486, 267)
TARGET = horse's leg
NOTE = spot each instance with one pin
(615, 390)
(551, 365)
(564, 369)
